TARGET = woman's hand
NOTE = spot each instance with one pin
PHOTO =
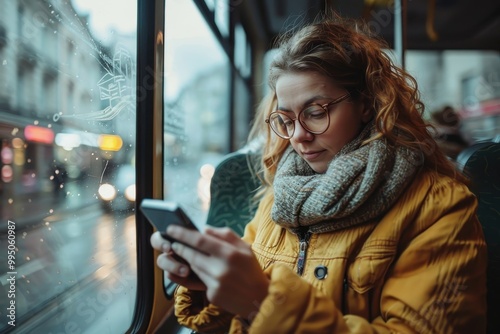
(176, 268)
(224, 263)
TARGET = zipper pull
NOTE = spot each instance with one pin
(303, 244)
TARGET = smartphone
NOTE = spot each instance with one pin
(161, 213)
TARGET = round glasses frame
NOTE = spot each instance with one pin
(325, 107)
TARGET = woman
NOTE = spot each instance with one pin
(363, 227)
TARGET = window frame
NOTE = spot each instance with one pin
(149, 160)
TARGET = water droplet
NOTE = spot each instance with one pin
(4, 62)
(10, 201)
(41, 239)
(47, 223)
(51, 211)
(28, 258)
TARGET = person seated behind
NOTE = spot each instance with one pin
(364, 225)
(446, 124)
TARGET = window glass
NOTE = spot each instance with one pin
(196, 116)
(221, 14)
(242, 51)
(242, 112)
(466, 81)
(67, 187)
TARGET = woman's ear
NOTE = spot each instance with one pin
(367, 115)
(366, 112)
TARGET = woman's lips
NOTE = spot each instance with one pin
(311, 155)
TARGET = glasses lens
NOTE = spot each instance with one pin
(314, 119)
(282, 125)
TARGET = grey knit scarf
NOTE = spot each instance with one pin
(360, 184)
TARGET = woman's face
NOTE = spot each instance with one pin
(295, 91)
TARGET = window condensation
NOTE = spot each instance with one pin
(67, 136)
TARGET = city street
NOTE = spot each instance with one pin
(71, 270)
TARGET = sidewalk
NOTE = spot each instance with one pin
(31, 209)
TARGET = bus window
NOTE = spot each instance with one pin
(467, 82)
(196, 110)
(67, 136)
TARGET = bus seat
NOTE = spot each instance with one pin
(232, 191)
(481, 163)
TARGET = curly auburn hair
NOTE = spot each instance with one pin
(347, 51)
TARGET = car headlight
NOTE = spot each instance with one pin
(130, 193)
(107, 192)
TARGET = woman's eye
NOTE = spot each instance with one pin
(316, 113)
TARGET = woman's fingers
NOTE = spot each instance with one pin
(177, 261)
(169, 262)
(199, 262)
(159, 243)
(224, 233)
(179, 272)
(214, 241)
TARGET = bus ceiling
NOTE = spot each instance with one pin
(430, 24)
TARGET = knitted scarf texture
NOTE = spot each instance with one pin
(361, 183)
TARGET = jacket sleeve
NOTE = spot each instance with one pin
(194, 311)
(437, 284)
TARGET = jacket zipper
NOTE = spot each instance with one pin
(304, 237)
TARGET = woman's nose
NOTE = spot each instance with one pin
(300, 133)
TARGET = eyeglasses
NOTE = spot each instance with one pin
(315, 119)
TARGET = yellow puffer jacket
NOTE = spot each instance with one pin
(420, 269)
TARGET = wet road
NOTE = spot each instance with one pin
(75, 265)
(74, 273)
